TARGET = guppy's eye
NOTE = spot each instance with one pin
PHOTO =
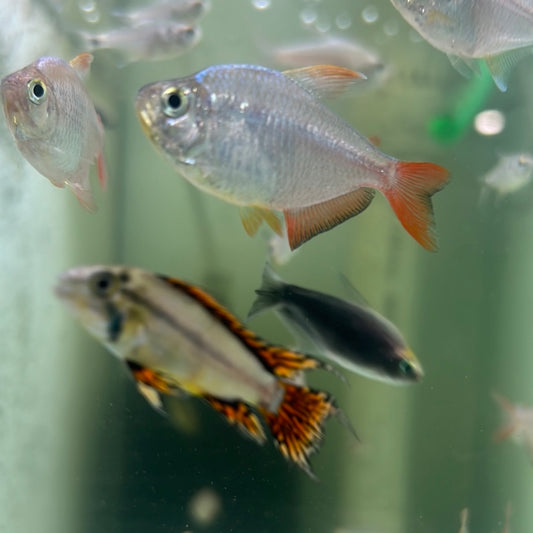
(175, 102)
(36, 91)
(103, 284)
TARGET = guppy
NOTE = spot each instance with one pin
(350, 334)
(261, 139)
(54, 122)
(175, 338)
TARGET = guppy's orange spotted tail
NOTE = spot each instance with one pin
(297, 424)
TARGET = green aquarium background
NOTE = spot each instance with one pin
(82, 451)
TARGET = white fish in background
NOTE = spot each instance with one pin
(151, 41)
(498, 31)
(519, 425)
(55, 124)
(330, 50)
(512, 173)
(179, 10)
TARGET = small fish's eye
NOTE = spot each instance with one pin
(175, 102)
(36, 91)
(103, 283)
(405, 368)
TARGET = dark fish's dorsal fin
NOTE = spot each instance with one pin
(354, 295)
(325, 81)
(278, 360)
(306, 222)
(240, 415)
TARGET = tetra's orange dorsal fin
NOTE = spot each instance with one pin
(82, 64)
(240, 415)
(410, 197)
(325, 81)
(297, 424)
(280, 361)
(305, 223)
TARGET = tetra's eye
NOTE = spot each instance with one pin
(36, 91)
(175, 102)
(103, 283)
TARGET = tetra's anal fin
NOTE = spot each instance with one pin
(297, 424)
(253, 216)
(280, 361)
(240, 415)
(304, 223)
(325, 81)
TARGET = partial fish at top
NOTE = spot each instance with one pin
(55, 124)
(179, 10)
(498, 31)
(262, 139)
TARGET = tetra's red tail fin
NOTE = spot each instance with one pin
(411, 199)
(297, 424)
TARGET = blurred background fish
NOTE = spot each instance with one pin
(149, 41)
(54, 122)
(352, 335)
(511, 174)
(498, 31)
(261, 139)
(179, 10)
(330, 50)
(519, 424)
(175, 339)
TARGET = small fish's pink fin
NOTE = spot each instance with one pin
(508, 513)
(240, 415)
(500, 66)
(297, 424)
(102, 171)
(325, 81)
(84, 196)
(253, 216)
(306, 222)
(82, 64)
(410, 197)
(464, 520)
(506, 431)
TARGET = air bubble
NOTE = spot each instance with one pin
(261, 4)
(343, 21)
(489, 122)
(391, 28)
(370, 14)
(308, 15)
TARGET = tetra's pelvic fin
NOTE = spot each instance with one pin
(297, 424)
(240, 415)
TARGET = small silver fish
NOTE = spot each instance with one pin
(519, 425)
(261, 139)
(179, 10)
(54, 122)
(498, 31)
(176, 339)
(510, 174)
(330, 50)
(352, 335)
(151, 41)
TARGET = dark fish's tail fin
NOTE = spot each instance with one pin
(270, 292)
(297, 424)
(411, 199)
